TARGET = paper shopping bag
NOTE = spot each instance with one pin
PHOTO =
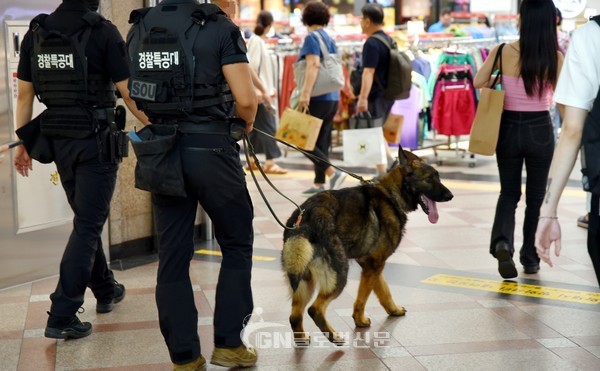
(364, 121)
(392, 128)
(486, 125)
(364, 146)
(299, 129)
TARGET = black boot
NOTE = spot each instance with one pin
(66, 327)
(107, 305)
(506, 265)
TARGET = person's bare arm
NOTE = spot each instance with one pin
(26, 94)
(130, 103)
(239, 78)
(313, 63)
(483, 76)
(368, 75)
(260, 87)
(563, 161)
(21, 160)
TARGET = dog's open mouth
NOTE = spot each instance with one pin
(430, 208)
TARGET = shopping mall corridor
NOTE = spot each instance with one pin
(461, 315)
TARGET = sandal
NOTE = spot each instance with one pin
(254, 167)
(275, 169)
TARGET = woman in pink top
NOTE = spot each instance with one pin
(530, 68)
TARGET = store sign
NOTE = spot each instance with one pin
(570, 8)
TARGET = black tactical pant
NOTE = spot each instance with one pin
(89, 186)
(214, 177)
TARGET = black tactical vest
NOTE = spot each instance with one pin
(162, 67)
(60, 69)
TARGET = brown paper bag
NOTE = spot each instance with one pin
(486, 126)
(299, 129)
(392, 129)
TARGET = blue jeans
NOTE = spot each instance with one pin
(525, 137)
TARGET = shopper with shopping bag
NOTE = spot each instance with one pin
(530, 69)
(375, 62)
(316, 16)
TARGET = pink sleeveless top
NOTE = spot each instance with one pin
(516, 99)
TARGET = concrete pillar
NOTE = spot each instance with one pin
(130, 220)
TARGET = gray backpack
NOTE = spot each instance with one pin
(400, 69)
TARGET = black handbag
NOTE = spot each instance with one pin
(158, 169)
(364, 120)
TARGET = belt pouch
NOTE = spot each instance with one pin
(158, 169)
(68, 122)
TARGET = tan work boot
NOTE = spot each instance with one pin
(234, 357)
(197, 365)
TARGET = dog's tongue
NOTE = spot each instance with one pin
(433, 212)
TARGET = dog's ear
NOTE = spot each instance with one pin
(402, 160)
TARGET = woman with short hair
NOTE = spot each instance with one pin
(316, 17)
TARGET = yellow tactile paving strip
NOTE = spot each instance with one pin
(515, 288)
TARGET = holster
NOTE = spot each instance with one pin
(113, 142)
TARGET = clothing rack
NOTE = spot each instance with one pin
(451, 151)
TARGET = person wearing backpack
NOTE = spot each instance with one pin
(578, 90)
(63, 55)
(375, 69)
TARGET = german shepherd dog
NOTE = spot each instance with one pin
(365, 223)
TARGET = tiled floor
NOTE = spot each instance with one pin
(457, 319)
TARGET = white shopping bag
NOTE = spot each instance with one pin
(364, 146)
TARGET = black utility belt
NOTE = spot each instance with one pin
(75, 122)
(234, 127)
(213, 127)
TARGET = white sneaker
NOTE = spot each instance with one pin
(337, 179)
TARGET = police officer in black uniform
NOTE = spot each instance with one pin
(201, 105)
(75, 82)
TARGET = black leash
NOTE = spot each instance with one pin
(355, 176)
(248, 147)
(249, 150)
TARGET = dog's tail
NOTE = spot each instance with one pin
(296, 255)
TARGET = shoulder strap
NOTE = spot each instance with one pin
(498, 58)
(206, 12)
(383, 40)
(136, 15)
(322, 45)
(92, 18)
(37, 22)
(596, 19)
(387, 44)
